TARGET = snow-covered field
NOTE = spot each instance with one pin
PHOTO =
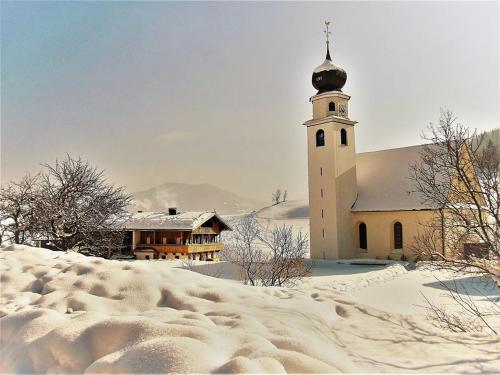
(68, 313)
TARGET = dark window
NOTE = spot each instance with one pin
(320, 138)
(331, 106)
(322, 214)
(321, 192)
(343, 137)
(163, 257)
(321, 171)
(147, 257)
(398, 235)
(362, 236)
(323, 233)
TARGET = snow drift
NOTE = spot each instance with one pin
(69, 313)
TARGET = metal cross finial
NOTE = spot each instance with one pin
(327, 32)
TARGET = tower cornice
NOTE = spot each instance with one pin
(329, 119)
(330, 94)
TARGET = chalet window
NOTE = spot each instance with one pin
(398, 235)
(147, 257)
(362, 236)
(331, 106)
(163, 257)
(320, 138)
(343, 137)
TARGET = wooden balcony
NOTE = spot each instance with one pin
(199, 248)
(183, 249)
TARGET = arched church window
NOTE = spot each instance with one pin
(398, 235)
(363, 243)
(331, 106)
(320, 138)
(343, 137)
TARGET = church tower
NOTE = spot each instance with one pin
(331, 163)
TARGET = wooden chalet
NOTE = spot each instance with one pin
(175, 235)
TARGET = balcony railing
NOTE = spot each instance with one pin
(184, 249)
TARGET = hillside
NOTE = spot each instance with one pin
(296, 209)
(188, 197)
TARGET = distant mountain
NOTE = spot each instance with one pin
(187, 197)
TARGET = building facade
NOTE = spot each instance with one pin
(173, 235)
(360, 205)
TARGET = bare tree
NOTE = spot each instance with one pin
(276, 196)
(76, 208)
(243, 250)
(459, 175)
(285, 264)
(267, 257)
(469, 317)
(17, 209)
(285, 195)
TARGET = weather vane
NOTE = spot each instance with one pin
(327, 32)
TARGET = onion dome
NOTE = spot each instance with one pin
(328, 76)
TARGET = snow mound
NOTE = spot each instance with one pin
(386, 271)
(63, 312)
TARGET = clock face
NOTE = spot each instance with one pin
(342, 110)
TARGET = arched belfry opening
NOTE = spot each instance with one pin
(320, 138)
(331, 107)
(343, 137)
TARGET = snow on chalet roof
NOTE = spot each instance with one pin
(162, 220)
(383, 180)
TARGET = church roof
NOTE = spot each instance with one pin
(164, 221)
(383, 181)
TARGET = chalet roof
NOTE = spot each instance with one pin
(383, 181)
(163, 221)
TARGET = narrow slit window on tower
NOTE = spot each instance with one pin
(320, 138)
(363, 243)
(322, 214)
(398, 235)
(321, 171)
(323, 232)
(321, 192)
(343, 137)
(331, 106)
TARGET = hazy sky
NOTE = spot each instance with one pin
(217, 92)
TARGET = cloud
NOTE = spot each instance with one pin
(179, 135)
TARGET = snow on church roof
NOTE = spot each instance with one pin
(383, 180)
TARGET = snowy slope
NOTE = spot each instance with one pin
(290, 210)
(187, 197)
(147, 317)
